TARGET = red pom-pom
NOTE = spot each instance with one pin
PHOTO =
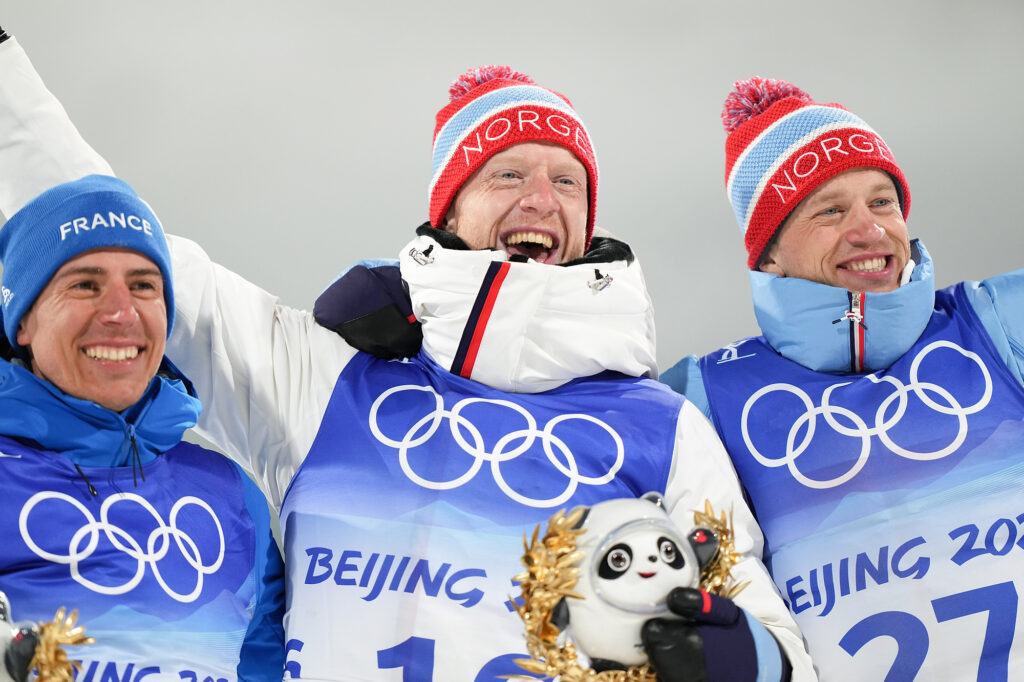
(474, 77)
(753, 96)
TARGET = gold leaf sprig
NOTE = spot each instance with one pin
(51, 660)
(551, 574)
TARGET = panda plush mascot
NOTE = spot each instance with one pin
(620, 583)
(633, 557)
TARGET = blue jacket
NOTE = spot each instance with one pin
(797, 318)
(163, 547)
(879, 438)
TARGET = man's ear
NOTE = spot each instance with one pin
(769, 265)
(449, 220)
(23, 337)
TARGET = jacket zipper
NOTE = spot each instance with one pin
(136, 459)
(855, 315)
(857, 331)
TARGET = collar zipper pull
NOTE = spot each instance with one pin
(136, 458)
(601, 282)
(852, 316)
(92, 490)
(855, 316)
(422, 257)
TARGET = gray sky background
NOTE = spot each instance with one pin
(291, 139)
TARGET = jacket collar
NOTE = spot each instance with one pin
(88, 434)
(816, 324)
(526, 327)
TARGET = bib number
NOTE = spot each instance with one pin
(911, 634)
(415, 656)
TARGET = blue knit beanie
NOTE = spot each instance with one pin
(95, 212)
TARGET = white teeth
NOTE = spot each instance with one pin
(112, 354)
(868, 265)
(533, 237)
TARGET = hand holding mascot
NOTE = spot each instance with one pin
(642, 600)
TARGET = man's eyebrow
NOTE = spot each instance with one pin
(93, 270)
(83, 270)
(827, 197)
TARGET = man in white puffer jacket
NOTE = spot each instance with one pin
(406, 486)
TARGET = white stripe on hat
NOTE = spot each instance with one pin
(846, 120)
(770, 171)
(454, 146)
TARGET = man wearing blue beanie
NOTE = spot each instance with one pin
(164, 548)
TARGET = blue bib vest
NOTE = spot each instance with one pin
(404, 526)
(890, 502)
(155, 569)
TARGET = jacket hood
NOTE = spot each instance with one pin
(815, 324)
(89, 434)
(527, 327)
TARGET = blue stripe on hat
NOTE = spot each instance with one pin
(765, 154)
(467, 118)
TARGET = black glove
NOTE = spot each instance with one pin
(20, 652)
(369, 307)
(21, 648)
(716, 641)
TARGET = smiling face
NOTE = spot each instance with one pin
(848, 233)
(530, 199)
(626, 577)
(98, 329)
(641, 568)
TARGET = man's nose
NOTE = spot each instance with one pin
(863, 228)
(117, 306)
(539, 196)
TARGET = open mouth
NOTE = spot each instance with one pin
(868, 265)
(646, 574)
(113, 353)
(538, 246)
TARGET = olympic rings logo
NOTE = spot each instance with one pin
(510, 446)
(944, 402)
(85, 540)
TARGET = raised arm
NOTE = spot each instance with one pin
(263, 371)
(39, 146)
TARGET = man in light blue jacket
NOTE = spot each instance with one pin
(876, 424)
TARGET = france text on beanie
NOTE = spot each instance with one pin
(94, 212)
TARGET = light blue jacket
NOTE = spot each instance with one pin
(804, 322)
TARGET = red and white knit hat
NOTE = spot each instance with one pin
(492, 108)
(782, 145)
